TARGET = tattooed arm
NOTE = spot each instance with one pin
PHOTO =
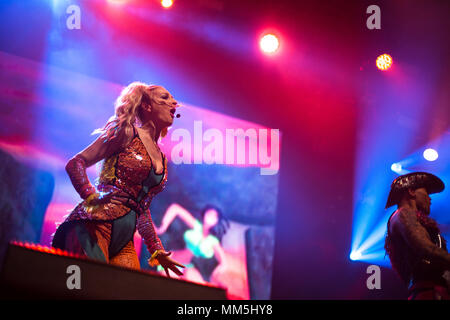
(416, 236)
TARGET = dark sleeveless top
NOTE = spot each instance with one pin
(412, 267)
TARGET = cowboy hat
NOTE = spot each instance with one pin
(413, 180)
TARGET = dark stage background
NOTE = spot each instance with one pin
(319, 91)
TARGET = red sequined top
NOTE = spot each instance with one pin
(131, 171)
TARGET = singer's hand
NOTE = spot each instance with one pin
(168, 263)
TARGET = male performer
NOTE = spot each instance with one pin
(415, 247)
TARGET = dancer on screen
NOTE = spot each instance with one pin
(204, 256)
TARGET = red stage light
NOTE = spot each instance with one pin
(384, 62)
(166, 3)
(269, 43)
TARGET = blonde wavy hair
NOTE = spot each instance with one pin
(127, 109)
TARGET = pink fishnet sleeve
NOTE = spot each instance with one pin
(147, 231)
(76, 169)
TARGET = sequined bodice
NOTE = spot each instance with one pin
(131, 170)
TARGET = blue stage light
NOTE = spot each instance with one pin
(396, 167)
(356, 255)
(430, 154)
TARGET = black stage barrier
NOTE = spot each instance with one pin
(36, 272)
